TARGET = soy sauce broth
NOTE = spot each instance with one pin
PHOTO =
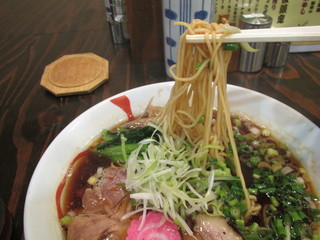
(90, 161)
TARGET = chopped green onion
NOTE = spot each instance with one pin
(198, 65)
(244, 148)
(222, 173)
(280, 228)
(201, 119)
(238, 136)
(254, 160)
(267, 190)
(272, 208)
(253, 227)
(253, 191)
(295, 216)
(315, 213)
(303, 215)
(274, 201)
(262, 151)
(65, 220)
(295, 231)
(237, 122)
(231, 46)
(233, 202)
(271, 178)
(235, 212)
(276, 167)
(271, 151)
(287, 219)
(240, 222)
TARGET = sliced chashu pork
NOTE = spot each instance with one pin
(214, 228)
(150, 114)
(104, 205)
(96, 227)
(107, 192)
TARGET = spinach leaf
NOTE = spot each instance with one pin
(111, 146)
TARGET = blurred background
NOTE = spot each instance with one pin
(148, 24)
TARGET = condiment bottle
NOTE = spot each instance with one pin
(276, 54)
(117, 18)
(253, 61)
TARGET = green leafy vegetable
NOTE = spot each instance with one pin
(115, 153)
(135, 135)
(119, 144)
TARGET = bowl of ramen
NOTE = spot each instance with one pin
(41, 214)
(190, 159)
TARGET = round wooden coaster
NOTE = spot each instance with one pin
(75, 74)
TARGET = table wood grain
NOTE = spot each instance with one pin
(34, 33)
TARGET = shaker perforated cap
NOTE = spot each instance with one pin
(255, 20)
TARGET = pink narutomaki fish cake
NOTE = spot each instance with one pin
(154, 228)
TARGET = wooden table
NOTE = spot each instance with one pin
(34, 33)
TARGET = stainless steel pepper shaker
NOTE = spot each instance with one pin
(276, 54)
(117, 18)
(253, 61)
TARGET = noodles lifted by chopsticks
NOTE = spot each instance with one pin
(201, 72)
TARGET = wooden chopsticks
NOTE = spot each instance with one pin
(286, 34)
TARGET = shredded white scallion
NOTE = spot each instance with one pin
(167, 176)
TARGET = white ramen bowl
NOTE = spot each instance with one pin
(40, 214)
